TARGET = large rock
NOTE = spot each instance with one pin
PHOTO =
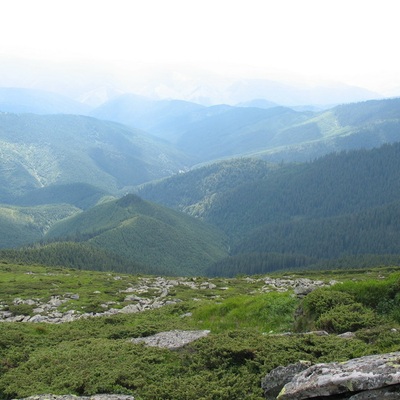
(273, 383)
(171, 339)
(370, 377)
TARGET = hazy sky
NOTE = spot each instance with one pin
(353, 41)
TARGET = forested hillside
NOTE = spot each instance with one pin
(342, 204)
(275, 133)
(39, 151)
(195, 192)
(140, 233)
(286, 214)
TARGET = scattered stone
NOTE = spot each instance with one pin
(301, 286)
(347, 335)
(156, 292)
(37, 318)
(131, 308)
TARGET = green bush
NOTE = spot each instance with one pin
(381, 338)
(320, 301)
(316, 304)
(346, 317)
(372, 292)
(21, 309)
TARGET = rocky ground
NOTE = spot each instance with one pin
(137, 298)
(370, 377)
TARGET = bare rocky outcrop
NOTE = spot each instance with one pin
(171, 339)
(149, 293)
(369, 377)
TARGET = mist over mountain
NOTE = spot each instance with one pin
(94, 85)
(22, 100)
(163, 118)
(295, 94)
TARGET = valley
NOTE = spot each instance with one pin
(69, 182)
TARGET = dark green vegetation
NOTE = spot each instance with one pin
(295, 215)
(338, 211)
(95, 355)
(75, 255)
(196, 191)
(136, 232)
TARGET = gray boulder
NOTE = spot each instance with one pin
(273, 383)
(171, 339)
(370, 377)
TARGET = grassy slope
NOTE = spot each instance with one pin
(230, 363)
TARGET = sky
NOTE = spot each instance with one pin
(350, 41)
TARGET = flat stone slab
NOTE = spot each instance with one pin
(171, 339)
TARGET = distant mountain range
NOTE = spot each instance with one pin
(22, 100)
(256, 184)
(94, 86)
(274, 133)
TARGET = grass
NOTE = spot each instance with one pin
(269, 312)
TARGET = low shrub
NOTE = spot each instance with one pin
(347, 317)
(316, 304)
(320, 301)
(21, 309)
